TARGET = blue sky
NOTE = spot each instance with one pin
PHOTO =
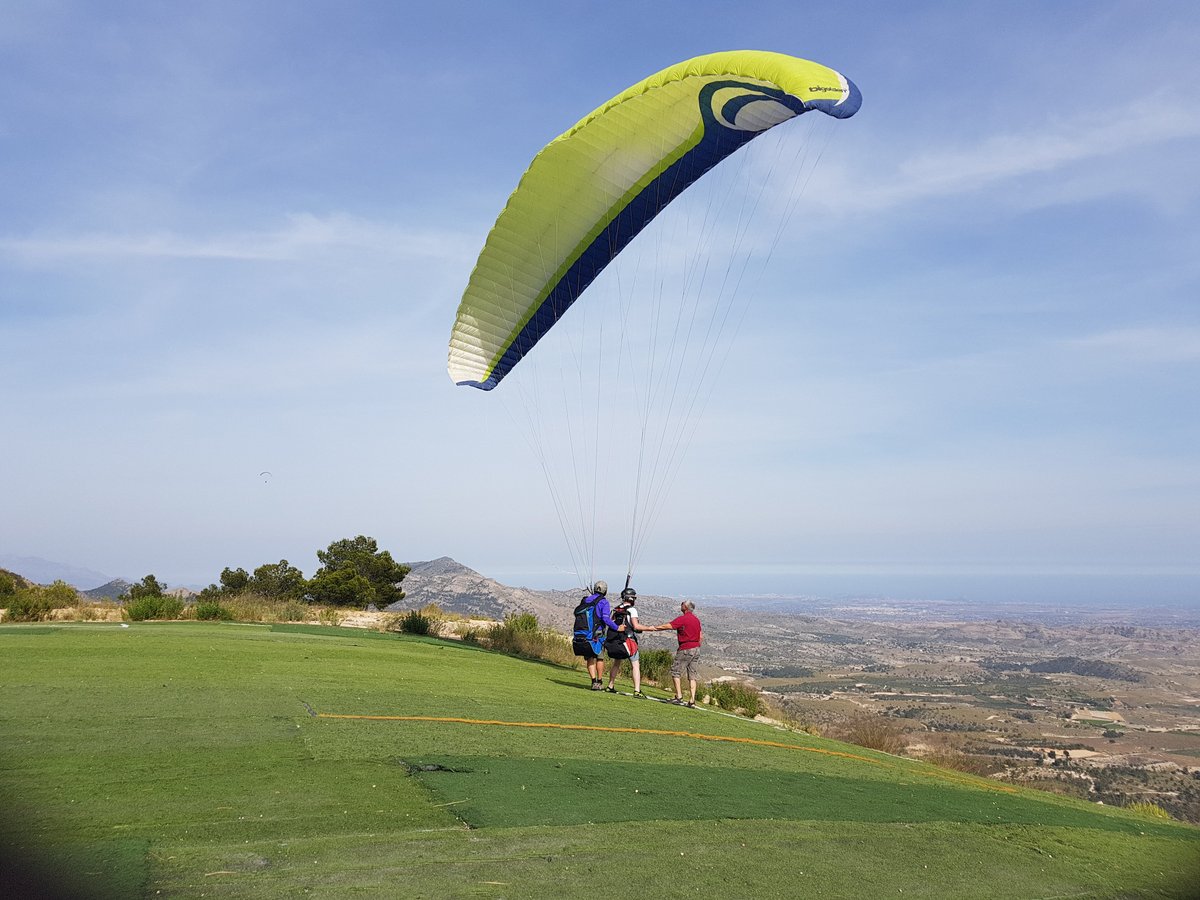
(234, 237)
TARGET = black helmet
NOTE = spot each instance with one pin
(629, 595)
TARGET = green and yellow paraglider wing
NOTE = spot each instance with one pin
(589, 192)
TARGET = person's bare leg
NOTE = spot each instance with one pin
(636, 665)
(678, 688)
(613, 672)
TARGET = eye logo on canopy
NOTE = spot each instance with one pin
(749, 108)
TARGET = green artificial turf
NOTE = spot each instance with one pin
(198, 760)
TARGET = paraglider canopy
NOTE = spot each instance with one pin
(591, 190)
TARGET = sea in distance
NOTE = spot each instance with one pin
(1134, 595)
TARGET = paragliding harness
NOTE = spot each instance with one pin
(589, 627)
(621, 644)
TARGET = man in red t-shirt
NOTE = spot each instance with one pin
(687, 629)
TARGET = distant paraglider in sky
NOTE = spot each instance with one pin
(265, 476)
(583, 200)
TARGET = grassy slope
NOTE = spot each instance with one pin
(183, 758)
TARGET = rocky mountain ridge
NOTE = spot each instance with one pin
(458, 589)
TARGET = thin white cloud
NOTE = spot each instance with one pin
(1148, 344)
(1000, 159)
(299, 238)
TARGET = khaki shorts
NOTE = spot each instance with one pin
(687, 662)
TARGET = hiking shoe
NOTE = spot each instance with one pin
(690, 705)
(676, 701)
(640, 695)
(611, 690)
(597, 686)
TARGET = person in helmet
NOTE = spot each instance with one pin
(626, 613)
(591, 616)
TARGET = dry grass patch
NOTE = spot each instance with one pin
(871, 731)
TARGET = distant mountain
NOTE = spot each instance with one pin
(458, 589)
(110, 591)
(45, 571)
(443, 565)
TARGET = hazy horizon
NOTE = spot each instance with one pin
(982, 585)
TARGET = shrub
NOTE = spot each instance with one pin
(873, 732)
(736, 695)
(292, 610)
(512, 637)
(147, 587)
(31, 604)
(154, 607)
(210, 610)
(522, 623)
(415, 621)
(1145, 808)
(342, 587)
(945, 756)
(656, 666)
(35, 602)
(61, 595)
(249, 607)
(330, 615)
(86, 611)
(279, 580)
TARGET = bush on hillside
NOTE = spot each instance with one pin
(873, 732)
(418, 621)
(330, 615)
(211, 611)
(945, 755)
(154, 607)
(735, 695)
(245, 606)
(29, 605)
(148, 587)
(291, 610)
(522, 623)
(35, 602)
(1145, 808)
(87, 611)
(8, 585)
(249, 606)
(279, 580)
(61, 595)
(514, 636)
(656, 666)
